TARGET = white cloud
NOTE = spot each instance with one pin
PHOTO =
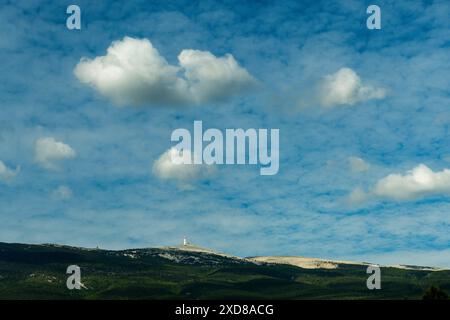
(48, 152)
(358, 195)
(358, 165)
(415, 184)
(184, 174)
(345, 88)
(134, 73)
(63, 193)
(211, 78)
(7, 173)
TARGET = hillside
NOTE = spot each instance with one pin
(191, 272)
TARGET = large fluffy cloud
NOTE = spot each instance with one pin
(48, 152)
(414, 184)
(134, 73)
(346, 88)
(7, 173)
(183, 174)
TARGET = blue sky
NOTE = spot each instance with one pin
(106, 193)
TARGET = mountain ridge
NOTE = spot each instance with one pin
(31, 271)
(298, 261)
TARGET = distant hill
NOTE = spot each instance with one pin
(192, 272)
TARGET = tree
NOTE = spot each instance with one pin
(435, 293)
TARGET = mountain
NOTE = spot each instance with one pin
(315, 263)
(193, 272)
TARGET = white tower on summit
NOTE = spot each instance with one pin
(185, 241)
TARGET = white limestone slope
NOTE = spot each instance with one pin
(298, 261)
(194, 248)
(303, 262)
(314, 263)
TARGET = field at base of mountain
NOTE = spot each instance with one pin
(39, 272)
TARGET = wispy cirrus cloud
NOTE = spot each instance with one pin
(282, 48)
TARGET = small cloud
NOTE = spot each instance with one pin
(415, 184)
(184, 174)
(63, 193)
(134, 73)
(357, 196)
(48, 152)
(346, 88)
(358, 165)
(6, 173)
